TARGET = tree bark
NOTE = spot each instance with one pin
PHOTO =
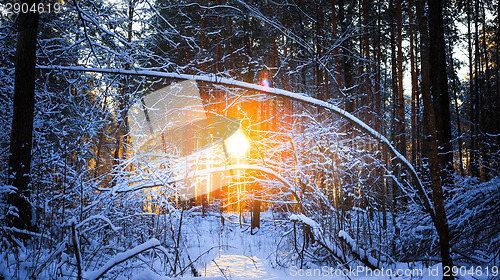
(318, 38)
(487, 127)
(439, 85)
(431, 143)
(378, 76)
(472, 151)
(414, 87)
(202, 38)
(218, 47)
(366, 67)
(400, 102)
(338, 78)
(346, 59)
(22, 121)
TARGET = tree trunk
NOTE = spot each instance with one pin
(487, 127)
(439, 85)
(431, 143)
(367, 88)
(394, 75)
(395, 125)
(255, 223)
(400, 102)
(124, 100)
(202, 39)
(496, 108)
(320, 82)
(338, 78)
(476, 101)
(414, 87)
(347, 62)
(22, 121)
(378, 77)
(218, 47)
(472, 154)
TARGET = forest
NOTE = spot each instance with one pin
(249, 139)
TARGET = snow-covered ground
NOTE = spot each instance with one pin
(229, 251)
(232, 252)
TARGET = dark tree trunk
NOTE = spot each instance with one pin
(366, 66)
(255, 222)
(338, 78)
(472, 168)
(202, 39)
(378, 76)
(394, 75)
(22, 120)
(400, 102)
(320, 84)
(441, 100)
(439, 84)
(218, 48)
(414, 87)
(346, 60)
(487, 127)
(431, 133)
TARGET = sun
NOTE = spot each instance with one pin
(237, 145)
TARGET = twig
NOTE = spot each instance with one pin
(86, 33)
(207, 251)
(254, 262)
(223, 274)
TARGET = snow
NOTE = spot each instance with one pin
(362, 254)
(8, 189)
(99, 217)
(139, 182)
(302, 218)
(231, 251)
(121, 257)
(346, 237)
(242, 256)
(275, 91)
(240, 265)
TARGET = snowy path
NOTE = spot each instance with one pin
(240, 255)
(240, 267)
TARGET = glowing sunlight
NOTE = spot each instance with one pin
(237, 145)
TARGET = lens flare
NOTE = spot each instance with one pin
(237, 145)
(265, 83)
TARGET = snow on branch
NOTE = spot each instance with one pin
(99, 217)
(154, 183)
(359, 253)
(319, 237)
(309, 222)
(273, 91)
(8, 189)
(121, 257)
(306, 220)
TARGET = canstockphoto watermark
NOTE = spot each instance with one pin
(358, 271)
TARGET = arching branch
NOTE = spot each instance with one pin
(276, 92)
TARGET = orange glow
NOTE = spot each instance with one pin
(237, 145)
